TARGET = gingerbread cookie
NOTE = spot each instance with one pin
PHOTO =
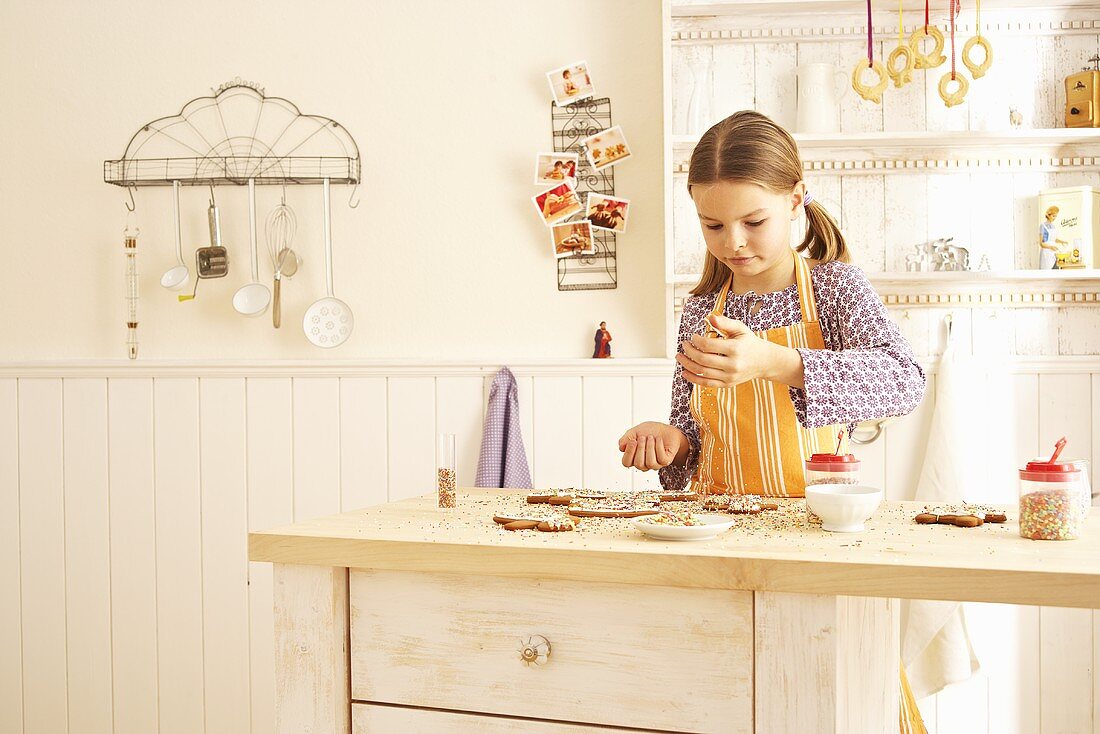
(505, 519)
(961, 521)
(521, 525)
(550, 498)
(679, 497)
(556, 525)
(610, 512)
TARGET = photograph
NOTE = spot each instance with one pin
(607, 212)
(571, 83)
(606, 148)
(572, 238)
(558, 203)
(553, 168)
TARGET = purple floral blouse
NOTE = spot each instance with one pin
(866, 371)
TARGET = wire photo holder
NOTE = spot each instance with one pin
(236, 135)
(572, 124)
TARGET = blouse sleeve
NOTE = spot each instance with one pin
(674, 478)
(868, 370)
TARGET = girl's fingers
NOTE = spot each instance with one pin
(664, 456)
(639, 456)
(651, 453)
(628, 453)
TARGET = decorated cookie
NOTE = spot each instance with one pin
(556, 525)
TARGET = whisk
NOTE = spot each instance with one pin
(281, 226)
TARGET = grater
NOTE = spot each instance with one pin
(213, 261)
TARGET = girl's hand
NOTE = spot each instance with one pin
(651, 445)
(740, 357)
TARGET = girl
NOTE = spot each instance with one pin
(776, 349)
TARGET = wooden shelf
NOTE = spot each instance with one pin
(958, 151)
(690, 8)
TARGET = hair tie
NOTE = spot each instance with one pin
(807, 198)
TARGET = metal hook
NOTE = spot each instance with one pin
(133, 204)
(282, 198)
(212, 201)
(350, 196)
(949, 319)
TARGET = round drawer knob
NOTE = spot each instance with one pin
(535, 650)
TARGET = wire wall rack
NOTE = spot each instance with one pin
(572, 124)
(237, 135)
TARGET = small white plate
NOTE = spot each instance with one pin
(711, 527)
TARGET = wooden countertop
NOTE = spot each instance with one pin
(894, 557)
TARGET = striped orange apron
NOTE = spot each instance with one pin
(750, 439)
(752, 443)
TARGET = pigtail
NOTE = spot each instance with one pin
(824, 241)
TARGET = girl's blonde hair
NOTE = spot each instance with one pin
(748, 146)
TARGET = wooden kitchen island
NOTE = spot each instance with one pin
(403, 617)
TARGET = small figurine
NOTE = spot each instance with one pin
(1015, 118)
(603, 342)
(1048, 240)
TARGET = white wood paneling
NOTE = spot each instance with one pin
(224, 490)
(559, 427)
(316, 446)
(87, 556)
(459, 410)
(364, 442)
(1065, 670)
(179, 553)
(412, 436)
(184, 630)
(133, 555)
(268, 405)
(606, 413)
(42, 529)
(11, 645)
(1006, 641)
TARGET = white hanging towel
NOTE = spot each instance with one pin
(969, 458)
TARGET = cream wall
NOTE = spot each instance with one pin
(448, 102)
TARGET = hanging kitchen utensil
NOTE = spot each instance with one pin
(329, 321)
(129, 247)
(252, 299)
(280, 229)
(954, 97)
(213, 261)
(175, 278)
(870, 92)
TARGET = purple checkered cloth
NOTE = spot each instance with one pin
(503, 462)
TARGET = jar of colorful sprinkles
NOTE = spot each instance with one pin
(1051, 498)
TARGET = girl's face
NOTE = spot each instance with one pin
(747, 227)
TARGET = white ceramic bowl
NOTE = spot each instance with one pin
(843, 508)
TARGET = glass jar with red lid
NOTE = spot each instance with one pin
(832, 469)
(1052, 498)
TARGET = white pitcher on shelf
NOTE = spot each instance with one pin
(820, 89)
(699, 105)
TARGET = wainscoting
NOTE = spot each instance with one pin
(126, 492)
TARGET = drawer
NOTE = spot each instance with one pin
(620, 655)
(372, 719)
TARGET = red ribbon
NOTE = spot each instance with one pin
(870, 38)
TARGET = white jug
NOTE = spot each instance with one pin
(820, 89)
